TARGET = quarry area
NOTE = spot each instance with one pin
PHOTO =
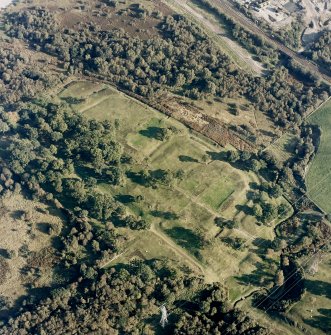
(314, 15)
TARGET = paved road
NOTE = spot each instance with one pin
(228, 9)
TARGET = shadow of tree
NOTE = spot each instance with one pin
(233, 108)
(4, 253)
(322, 322)
(222, 156)
(218, 156)
(17, 214)
(125, 198)
(318, 287)
(254, 185)
(244, 208)
(259, 276)
(73, 100)
(165, 215)
(139, 178)
(290, 145)
(186, 304)
(153, 132)
(43, 227)
(188, 159)
(251, 195)
(235, 243)
(262, 245)
(186, 238)
(85, 172)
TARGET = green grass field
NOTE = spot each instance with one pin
(318, 179)
(183, 213)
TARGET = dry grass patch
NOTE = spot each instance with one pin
(25, 245)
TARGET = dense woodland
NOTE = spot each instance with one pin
(127, 301)
(291, 35)
(320, 50)
(182, 59)
(214, 317)
(53, 143)
(20, 78)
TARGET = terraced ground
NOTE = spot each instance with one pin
(182, 215)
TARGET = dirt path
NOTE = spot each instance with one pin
(111, 260)
(249, 294)
(243, 54)
(209, 275)
(195, 200)
(194, 263)
(94, 104)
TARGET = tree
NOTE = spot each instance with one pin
(257, 211)
(282, 210)
(162, 134)
(245, 155)
(3, 127)
(254, 165)
(91, 182)
(279, 279)
(232, 156)
(279, 244)
(275, 191)
(269, 211)
(139, 224)
(95, 246)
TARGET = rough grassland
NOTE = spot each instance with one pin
(25, 241)
(182, 214)
(283, 148)
(314, 309)
(319, 174)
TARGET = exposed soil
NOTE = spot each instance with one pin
(206, 125)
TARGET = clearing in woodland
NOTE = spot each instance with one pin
(183, 209)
